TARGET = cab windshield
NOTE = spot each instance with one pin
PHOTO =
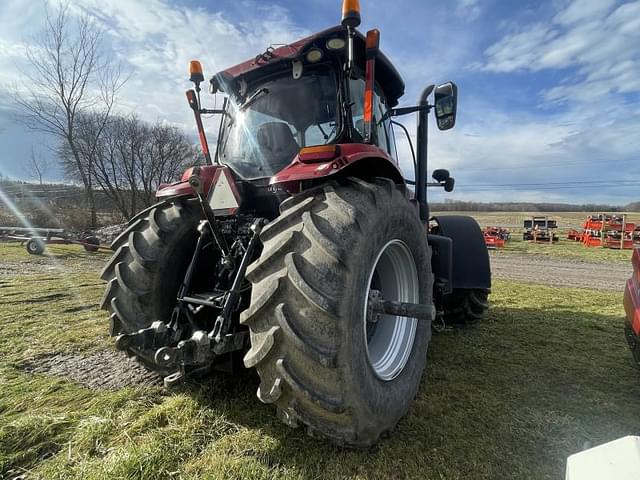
(281, 116)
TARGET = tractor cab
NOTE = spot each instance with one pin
(298, 96)
(320, 107)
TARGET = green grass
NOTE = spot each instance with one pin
(567, 249)
(509, 398)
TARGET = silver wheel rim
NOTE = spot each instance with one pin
(389, 341)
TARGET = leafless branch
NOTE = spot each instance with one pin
(70, 78)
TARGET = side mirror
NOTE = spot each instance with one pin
(449, 184)
(446, 105)
(441, 175)
(444, 179)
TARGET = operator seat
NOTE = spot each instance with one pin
(277, 145)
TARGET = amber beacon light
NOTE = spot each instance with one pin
(351, 13)
(195, 71)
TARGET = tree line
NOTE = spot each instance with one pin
(70, 92)
(467, 206)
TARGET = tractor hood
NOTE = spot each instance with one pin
(234, 80)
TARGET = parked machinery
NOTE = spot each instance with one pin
(495, 237)
(540, 230)
(605, 230)
(36, 239)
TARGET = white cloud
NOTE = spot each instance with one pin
(596, 38)
(155, 41)
(579, 10)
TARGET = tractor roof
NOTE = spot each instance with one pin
(272, 60)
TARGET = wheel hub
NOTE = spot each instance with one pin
(389, 338)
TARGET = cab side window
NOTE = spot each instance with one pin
(382, 136)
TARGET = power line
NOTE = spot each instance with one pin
(602, 183)
(549, 165)
(557, 187)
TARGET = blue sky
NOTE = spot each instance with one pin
(549, 90)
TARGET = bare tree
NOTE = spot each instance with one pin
(133, 158)
(168, 153)
(37, 166)
(70, 76)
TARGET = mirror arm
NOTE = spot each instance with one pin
(428, 184)
(396, 112)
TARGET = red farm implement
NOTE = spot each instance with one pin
(609, 231)
(632, 307)
(36, 239)
(495, 237)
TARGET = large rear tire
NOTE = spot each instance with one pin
(319, 360)
(144, 273)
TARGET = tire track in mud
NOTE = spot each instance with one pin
(560, 271)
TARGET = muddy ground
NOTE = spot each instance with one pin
(108, 370)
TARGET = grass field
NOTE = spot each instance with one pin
(567, 249)
(545, 374)
(564, 248)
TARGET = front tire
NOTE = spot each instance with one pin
(145, 272)
(318, 360)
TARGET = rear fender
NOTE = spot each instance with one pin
(207, 174)
(354, 159)
(442, 261)
(470, 267)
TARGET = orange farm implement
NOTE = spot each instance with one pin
(632, 307)
(610, 231)
(495, 237)
(37, 238)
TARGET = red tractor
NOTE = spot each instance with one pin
(632, 307)
(300, 247)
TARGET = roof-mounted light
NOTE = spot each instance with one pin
(351, 13)
(314, 55)
(336, 44)
(195, 71)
